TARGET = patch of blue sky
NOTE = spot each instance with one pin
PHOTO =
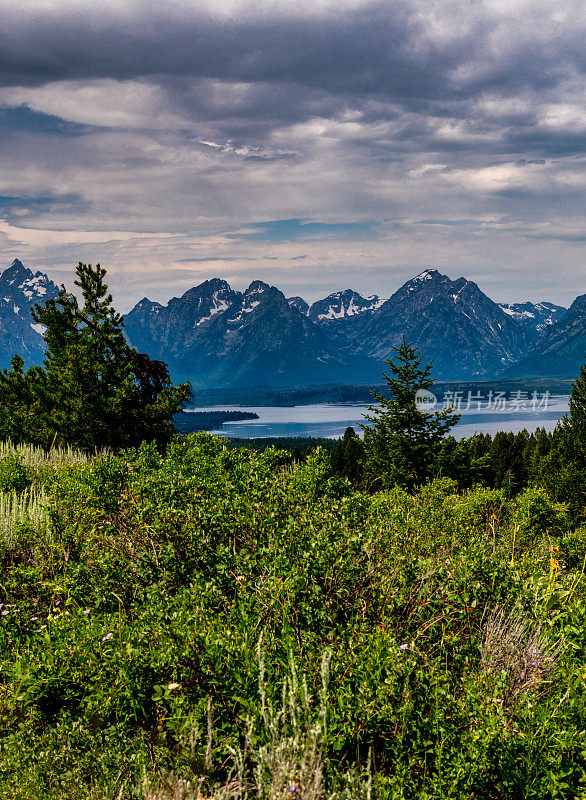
(23, 119)
(285, 230)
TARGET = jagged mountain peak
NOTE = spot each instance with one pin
(579, 304)
(146, 304)
(16, 273)
(431, 282)
(24, 286)
(299, 303)
(428, 275)
(560, 349)
(342, 305)
(259, 287)
(20, 289)
(207, 289)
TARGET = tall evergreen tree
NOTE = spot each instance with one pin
(403, 443)
(347, 456)
(563, 471)
(95, 390)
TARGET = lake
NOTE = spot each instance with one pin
(326, 420)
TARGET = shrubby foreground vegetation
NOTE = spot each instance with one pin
(208, 622)
(183, 620)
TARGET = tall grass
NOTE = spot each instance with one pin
(37, 457)
(282, 755)
(20, 508)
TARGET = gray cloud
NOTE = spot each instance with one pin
(400, 133)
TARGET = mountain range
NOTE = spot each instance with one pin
(218, 337)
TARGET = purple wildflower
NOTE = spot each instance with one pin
(403, 647)
(86, 611)
(107, 637)
(4, 613)
(34, 619)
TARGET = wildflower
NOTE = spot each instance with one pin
(107, 637)
(201, 778)
(38, 630)
(293, 788)
(4, 613)
(173, 686)
(34, 619)
(403, 647)
(86, 611)
(57, 602)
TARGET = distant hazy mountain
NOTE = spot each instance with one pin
(299, 303)
(20, 289)
(535, 317)
(218, 337)
(342, 306)
(454, 324)
(560, 351)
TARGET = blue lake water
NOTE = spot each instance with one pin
(327, 420)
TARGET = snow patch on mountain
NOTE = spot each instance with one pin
(536, 317)
(343, 305)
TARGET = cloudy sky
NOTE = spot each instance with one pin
(314, 144)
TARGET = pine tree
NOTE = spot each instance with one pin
(348, 455)
(563, 471)
(21, 396)
(575, 420)
(402, 444)
(95, 390)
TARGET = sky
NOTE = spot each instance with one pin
(316, 145)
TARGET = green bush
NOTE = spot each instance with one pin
(171, 616)
(536, 514)
(14, 476)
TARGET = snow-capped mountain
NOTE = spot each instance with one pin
(535, 317)
(299, 303)
(20, 289)
(561, 349)
(453, 323)
(342, 305)
(218, 337)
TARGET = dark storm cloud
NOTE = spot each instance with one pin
(365, 50)
(369, 134)
(380, 50)
(246, 75)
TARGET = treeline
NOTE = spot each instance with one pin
(509, 461)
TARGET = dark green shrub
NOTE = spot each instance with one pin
(14, 476)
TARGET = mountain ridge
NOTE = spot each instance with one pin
(217, 336)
